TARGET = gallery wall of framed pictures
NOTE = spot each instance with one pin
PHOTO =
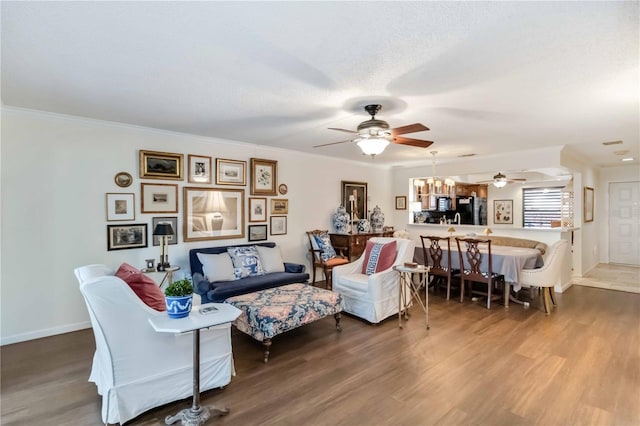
(213, 208)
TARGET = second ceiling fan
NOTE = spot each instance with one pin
(373, 135)
(499, 180)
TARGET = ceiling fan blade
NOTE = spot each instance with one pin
(332, 143)
(413, 142)
(411, 128)
(343, 130)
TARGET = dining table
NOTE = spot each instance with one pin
(506, 260)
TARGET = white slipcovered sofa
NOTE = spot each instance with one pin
(136, 368)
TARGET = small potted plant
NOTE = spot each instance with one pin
(179, 297)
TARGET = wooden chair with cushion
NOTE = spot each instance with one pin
(477, 267)
(323, 255)
(439, 263)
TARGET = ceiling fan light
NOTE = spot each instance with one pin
(373, 146)
(499, 183)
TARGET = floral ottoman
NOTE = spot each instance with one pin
(270, 312)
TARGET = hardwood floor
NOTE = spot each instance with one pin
(578, 366)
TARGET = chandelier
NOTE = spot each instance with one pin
(438, 186)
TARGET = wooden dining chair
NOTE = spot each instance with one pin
(323, 255)
(438, 261)
(471, 257)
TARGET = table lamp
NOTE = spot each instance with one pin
(487, 231)
(451, 230)
(163, 230)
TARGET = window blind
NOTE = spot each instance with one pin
(541, 206)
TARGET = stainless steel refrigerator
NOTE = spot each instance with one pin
(473, 210)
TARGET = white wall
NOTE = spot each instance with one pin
(56, 171)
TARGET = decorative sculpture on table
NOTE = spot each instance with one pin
(340, 220)
(377, 219)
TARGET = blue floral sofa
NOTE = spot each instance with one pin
(215, 282)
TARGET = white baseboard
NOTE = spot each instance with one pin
(16, 338)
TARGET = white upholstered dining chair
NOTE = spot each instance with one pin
(547, 276)
(372, 297)
(134, 367)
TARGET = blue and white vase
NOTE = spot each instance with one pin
(179, 306)
(377, 219)
(340, 220)
(364, 225)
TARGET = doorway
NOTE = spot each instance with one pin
(624, 223)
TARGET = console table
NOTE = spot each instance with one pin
(352, 246)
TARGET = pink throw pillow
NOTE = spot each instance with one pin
(378, 257)
(143, 286)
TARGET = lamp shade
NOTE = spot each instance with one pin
(373, 146)
(451, 229)
(163, 228)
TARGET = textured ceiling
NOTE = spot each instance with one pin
(485, 77)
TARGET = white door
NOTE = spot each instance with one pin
(624, 223)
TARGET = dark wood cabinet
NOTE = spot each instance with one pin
(352, 246)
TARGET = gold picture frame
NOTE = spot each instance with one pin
(264, 176)
(161, 165)
(213, 213)
(159, 197)
(279, 206)
(278, 225)
(199, 169)
(588, 204)
(231, 172)
(120, 207)
(401, 202)
(359, 192)
(257, 209)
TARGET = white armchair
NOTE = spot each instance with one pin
(547, 276)
(134, 367)
(372, 297)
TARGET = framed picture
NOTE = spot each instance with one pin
(123, 179)
(264, 176)
(279, 206)
(159, 197)
(278, 225)
(257, 209)
(257, 232)
(173, 239)
(354, 197)
(120, 237)
(401, 202)
(213, 213)
(161, 165)
(231, 172)
(588, 204)
(199, 169)
(502, 211)
(120, 207)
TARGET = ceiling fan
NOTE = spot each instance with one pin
(500, 180)
(373, 135)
